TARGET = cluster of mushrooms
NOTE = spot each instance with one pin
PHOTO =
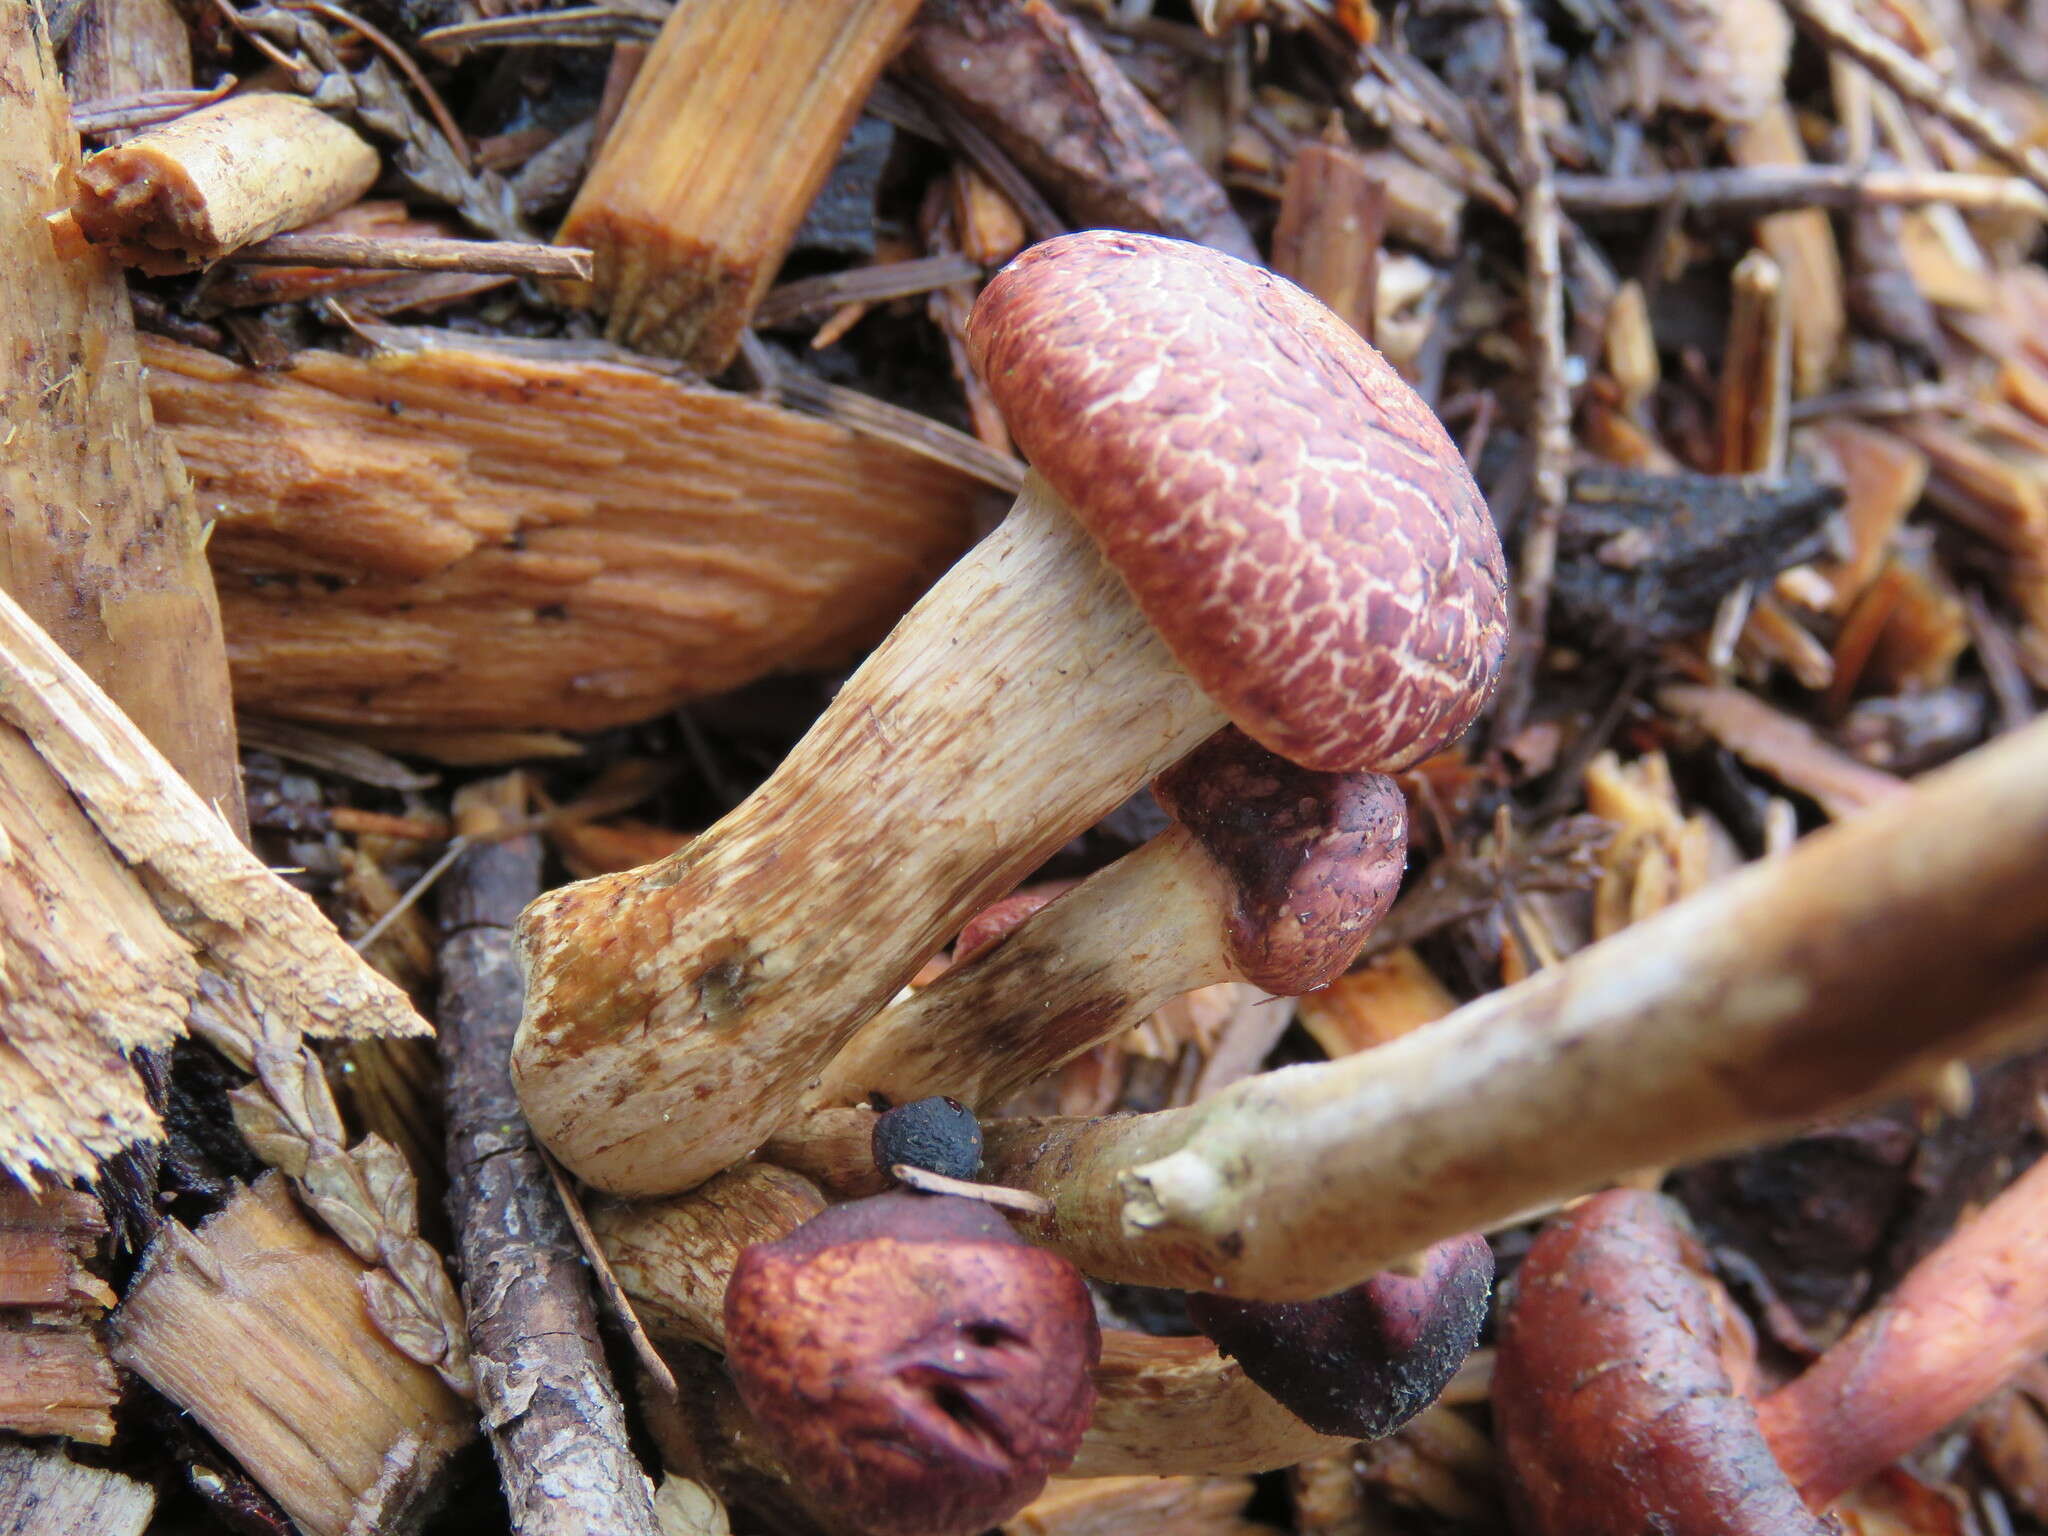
(1248, 568)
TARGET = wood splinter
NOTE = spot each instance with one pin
(346, 1433)
(190, 191)
(699, 188)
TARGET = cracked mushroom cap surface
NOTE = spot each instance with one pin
(1309, 862)
(1284, 509)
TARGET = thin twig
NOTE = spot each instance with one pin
(1842, 31)
(1551, 427)
(930, 1183)
(394, 253)
(588, 26)
(413, 893)
(545, 1391)
(144, 109)
(1749, 191)
(862, 285)
(608, 1283)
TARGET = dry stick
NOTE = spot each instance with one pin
(99, 536)
(1852, 968)
(1842, 31)
(863, 285)
(547, 1397)
(417, 254)
(1551, 428)
(1748, 191)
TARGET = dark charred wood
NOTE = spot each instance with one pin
(1645, 559)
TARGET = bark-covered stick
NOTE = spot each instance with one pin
(547, 1396)
(1850, 969)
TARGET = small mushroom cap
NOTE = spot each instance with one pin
(1310, 861)
(938, 1134)
(1365, 1361)
(1284, 509)
(1618, 1386)
(915, 1363)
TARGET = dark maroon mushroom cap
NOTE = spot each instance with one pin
(913, 1362)
(1365, 1361)
(1310, 861)
(1284, 509)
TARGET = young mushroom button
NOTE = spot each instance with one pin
(1238, 512)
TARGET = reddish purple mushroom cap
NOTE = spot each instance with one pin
(1309, 861)
(1284, 509)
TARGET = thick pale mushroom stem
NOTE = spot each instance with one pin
(1167, 1406)
(1080, 971)
(1850, 969)
(675, 1012)
(1958, 1327)
(675, 1257)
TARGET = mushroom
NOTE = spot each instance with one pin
(1238, 512)
(1365, 1361)
(1625, 1385)
(917, 1363)
(1622, 1386)
(1854, 967)
(1965, 1319)
(1271, 874)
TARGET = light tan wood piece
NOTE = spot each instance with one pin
(728, 133)
(456, 539)
(187, 192)
(99, 536)
(257, 1327)
(43, 1492)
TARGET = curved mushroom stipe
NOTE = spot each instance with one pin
(1323, 548)
(1853, 968)
(1331, 581)
(1365, 1361)
(1272, 874)
(1965, 1319)
(1166, 1407)
(1618, 1386)
(913, 1361)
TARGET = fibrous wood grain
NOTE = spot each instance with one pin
(454, 538)
(207, 886)
(55, 1377)
(45, 1493)
(728, 133)
(1037, 83)
(256, 1325)
(99, 537)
